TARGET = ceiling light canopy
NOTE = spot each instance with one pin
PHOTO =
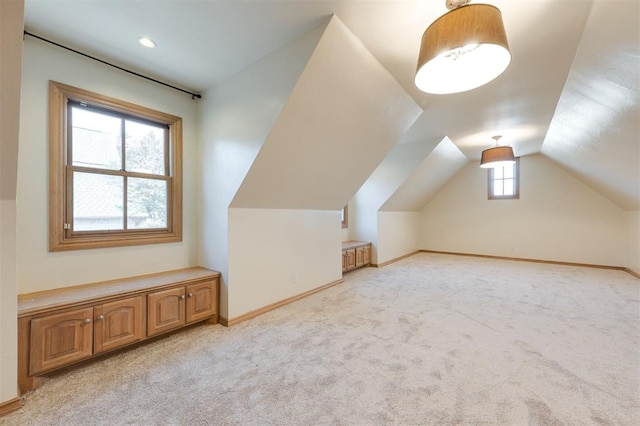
(147, 42)
(498, 156)
(463, 49)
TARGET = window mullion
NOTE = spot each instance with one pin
(123, 136)
(125, 214)
(68, 217)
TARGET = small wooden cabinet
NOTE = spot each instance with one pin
(355, 254)
(60, 327)
(350, 259)
(173, 308)
(359, 256)
(60, 339)
(166, 310)
(118, 323)
(201, 301)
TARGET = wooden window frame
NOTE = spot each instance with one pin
(516, 178)
(345, 222)
(61, 239)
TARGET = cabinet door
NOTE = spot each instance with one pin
(367, 254)
(359, 256)
(60, 339)
(117, 323)
(351, 259)
(201, 301)
(165, 310)
(344, 260)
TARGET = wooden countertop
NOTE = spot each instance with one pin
(31, 303)
(346, 245)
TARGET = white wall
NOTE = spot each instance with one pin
(556, 218)
(11, 21)
(38, 269)
(8, 302)
(269, 246)
(398, 219)
(383, 182)
(633, 248)
(398, 234)
(305, 147)
(236, 117)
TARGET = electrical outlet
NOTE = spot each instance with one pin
(293, 278)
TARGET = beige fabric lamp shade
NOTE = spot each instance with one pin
(497, 156)
(463, 49)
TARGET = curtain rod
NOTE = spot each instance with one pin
(193, 95)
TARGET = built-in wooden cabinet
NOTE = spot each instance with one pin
(166, 310)
(60, 339)
(60, 327)
(201, 301)
(63, 338)
(359, 257)
(173, 308)
(350, 262)
(118, 323)
(355, 254)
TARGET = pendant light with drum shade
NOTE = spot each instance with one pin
(463, 49)
(498, 156)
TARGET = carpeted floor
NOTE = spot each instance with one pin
(430, 340)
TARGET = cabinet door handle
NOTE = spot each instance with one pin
(190, 295)
(100, 317)
(87, 321)
(182, 296)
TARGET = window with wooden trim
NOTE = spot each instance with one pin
(504, 182)
(344, 216)
(115, 172)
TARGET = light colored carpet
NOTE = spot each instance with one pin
(433, 339)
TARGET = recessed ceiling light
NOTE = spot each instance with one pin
(147, 42)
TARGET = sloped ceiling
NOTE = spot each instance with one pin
(390, 175)
(427, 178)
(345, 114)
(203, 42)
(595, 132)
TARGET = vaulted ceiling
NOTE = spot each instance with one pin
(571, 92)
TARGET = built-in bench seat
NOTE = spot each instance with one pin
(355, 254)
(60, 327)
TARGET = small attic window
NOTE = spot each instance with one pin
(504, 182)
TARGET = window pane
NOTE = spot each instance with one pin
(508, 187)
(508, 171)
(147, 203)
(497, 187)
(97, 202)
(498, 172)
(96, 139)
(144, 148)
